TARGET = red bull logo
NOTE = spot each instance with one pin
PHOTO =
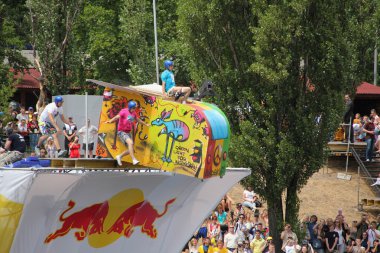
(104, 223)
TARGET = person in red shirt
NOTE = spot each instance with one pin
(369, 129)
(126, 118)
(74, 148)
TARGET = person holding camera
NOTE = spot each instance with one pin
(288, 234)
(290, 246)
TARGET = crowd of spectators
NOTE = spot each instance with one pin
(238, 228)
(24, 124)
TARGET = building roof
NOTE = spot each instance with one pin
(367, 89)
(27, 79)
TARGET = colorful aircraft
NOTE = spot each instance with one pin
(190, 139)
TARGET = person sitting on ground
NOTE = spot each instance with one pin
(227, 203)
(90, 138)
(50, 148)
(249, 198)
(169, 88)
(126, 118)
(74, 147)
(222, 219)
(14, 148)
(48, 125)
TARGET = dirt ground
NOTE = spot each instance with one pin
(324, 194)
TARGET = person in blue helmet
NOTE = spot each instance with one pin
(48, 125)
(169, 88)
(126, 118)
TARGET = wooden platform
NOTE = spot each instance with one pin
(339, 148)
(373, 204)
(104, 163)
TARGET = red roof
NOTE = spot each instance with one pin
(367, 89)
(28, 79)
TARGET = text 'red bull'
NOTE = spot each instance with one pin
(90, 220)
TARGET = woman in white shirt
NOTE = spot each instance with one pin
(249, 198)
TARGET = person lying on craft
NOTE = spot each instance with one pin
(169, 88)
(126, 118)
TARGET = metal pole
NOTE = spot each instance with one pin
(155, 41)
(86, 122)
(358, 186)
(348, 143)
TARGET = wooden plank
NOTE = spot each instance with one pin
(56, 163)
(95, 163)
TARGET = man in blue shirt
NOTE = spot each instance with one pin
(168, 84)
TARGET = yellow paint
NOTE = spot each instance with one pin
(10, 213)
(151, 142)
(117, 204)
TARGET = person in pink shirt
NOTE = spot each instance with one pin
(126, 118)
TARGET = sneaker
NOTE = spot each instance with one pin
(178, 95)
(135, 161)
(62, 153)
(367, 160)
(118, 159)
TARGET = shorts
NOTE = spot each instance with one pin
(90, 146)
(47, 128)
(171, 92)
(124, 136)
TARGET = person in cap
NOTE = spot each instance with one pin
(30, 112)
(14, 148)
(48, 125)
(69, 131)
(126, 119)
(169, 87)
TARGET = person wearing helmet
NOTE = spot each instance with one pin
(48, 125)
(168, 84)
(126, 118)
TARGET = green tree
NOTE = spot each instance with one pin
(281, 69)
(12, 40)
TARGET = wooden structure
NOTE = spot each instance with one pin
(338, 148)
(83, 163)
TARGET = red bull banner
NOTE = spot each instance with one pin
(117, 212)
(14, 186)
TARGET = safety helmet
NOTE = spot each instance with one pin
(168, 63)
(131, 105)
(58, 99)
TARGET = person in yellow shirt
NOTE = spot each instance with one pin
(258, 244)
(220, 247)
(206, 247)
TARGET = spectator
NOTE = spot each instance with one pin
(238, 210)
(231, 239)
(365, 243)
(22, 115)
(258, 243)
(271, 248)
(74, 148)
(332, 238)
(373, 233)
(239, 223)
(269, 241)
(30, 113)
(355, 246)
(348, 117)
(51, 148)
(48, 125)
(305, 248)
(213, 228)
(193, 245)
(34, 131)
(378, 218)
(369, 129)
(222, 219)
(287, 234)
(14, 148)
(220, 247)
(249, 198)
(92, 132)
(376, 247)
(247, 247)
(43, 153)
(206, 247)
(357, 125)
(69, 131)
(362, 226)
(264, 217)
(339, 228)
(227, 203)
